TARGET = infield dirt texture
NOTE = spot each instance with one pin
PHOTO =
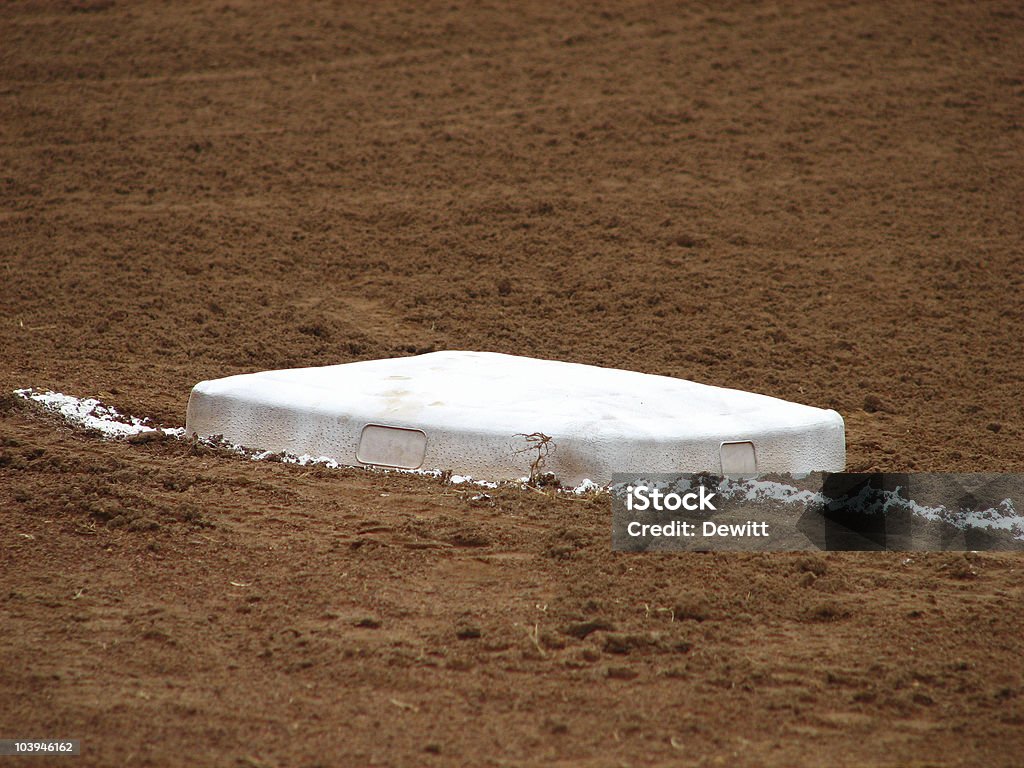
(816, 201)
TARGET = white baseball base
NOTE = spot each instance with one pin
(487, 415)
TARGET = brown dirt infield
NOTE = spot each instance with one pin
(817, 201)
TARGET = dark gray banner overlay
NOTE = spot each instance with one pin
(928, 511)
(37, 747)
